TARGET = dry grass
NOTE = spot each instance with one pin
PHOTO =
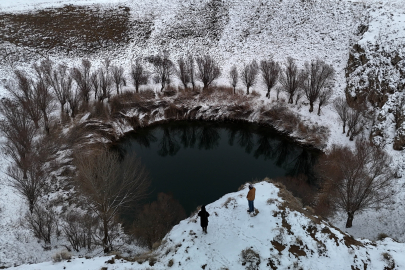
(175, 112)
(228, 201)
(99, 110)
(148, 256)
(70, 29)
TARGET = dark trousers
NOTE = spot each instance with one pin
(251, 207)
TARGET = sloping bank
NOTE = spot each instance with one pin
(131, 111)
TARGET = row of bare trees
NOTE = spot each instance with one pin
(72, 87)
(315, 80)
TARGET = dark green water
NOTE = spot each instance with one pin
(198, 162)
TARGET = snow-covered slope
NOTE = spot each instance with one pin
(281, 235)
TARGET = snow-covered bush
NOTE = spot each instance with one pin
(250, 259)
(61, 256)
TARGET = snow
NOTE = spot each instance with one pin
(231, 230)
(254, 31)
(24, 5)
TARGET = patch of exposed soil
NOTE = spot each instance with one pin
(72, 29)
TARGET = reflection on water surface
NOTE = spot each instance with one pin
(198, 162)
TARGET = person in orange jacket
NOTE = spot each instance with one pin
(251, 197)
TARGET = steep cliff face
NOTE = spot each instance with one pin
(375, 73)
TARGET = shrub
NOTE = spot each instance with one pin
(323, 206)
(382, 236)
(169, 91)
(78, 229)
(42, 222)
(172, 111)
(157, 218)
(228, 201)
(299, 187)
(250, 259)
(255, 94)
(170, 263)
(271, 201)
(147, 94)
(99, 110)
(390, 261)
(62, 255)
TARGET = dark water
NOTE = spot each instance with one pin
(198, 162)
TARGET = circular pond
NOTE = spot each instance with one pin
(198, 162)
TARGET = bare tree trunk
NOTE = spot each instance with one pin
(105, 239)
(137, 87)
(311, 107)
(268, 93)
(349, 222)
(290, 99)
(46, 122)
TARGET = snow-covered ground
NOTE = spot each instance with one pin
(254, 30)
(280, 236)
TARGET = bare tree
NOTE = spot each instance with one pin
(278, 90)
(118, 77)
(29, 182)
(291, 79)
(298, 94)
(318, 75)
(270, 71)
(74, 102)
(191, 72)
(19, 132)
(42, 92)
(355, 122)
(157, 219)
(357, 180)
(163, 68)
(249, 75)
(139, 75)
(95, 84)
(82, 78)
(43, 222)
(342, 109)
(78, 229)
(183, 71)
(105, 82)
(25, 174)
(24, 93)
(58, 79)
(109, 185)
(234, 76)
(208, 70)
(324, 98)
(399, 112)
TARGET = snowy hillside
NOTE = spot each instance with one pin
(360, 39)
(281, 235)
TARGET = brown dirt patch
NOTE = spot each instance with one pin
(71, 28)
(350, 241)
(297, 251)
(280, 247)
(331, 235)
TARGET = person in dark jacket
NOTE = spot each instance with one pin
(204, 218)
